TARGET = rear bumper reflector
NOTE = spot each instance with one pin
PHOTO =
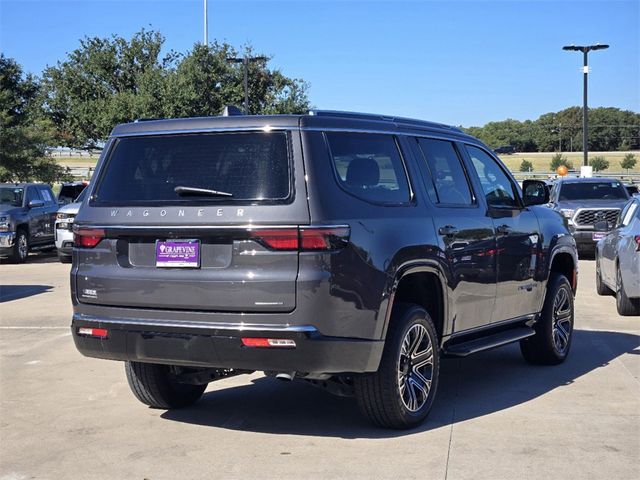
(268, 342)
(93, 332)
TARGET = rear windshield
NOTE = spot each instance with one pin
(593, 191)
(231, 167)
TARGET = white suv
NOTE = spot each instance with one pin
(64, 228)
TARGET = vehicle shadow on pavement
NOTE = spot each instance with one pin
(15, 292)
(39, 257)
(469, 388)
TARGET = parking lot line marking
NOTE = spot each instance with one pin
(12, 327)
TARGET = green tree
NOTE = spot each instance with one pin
(559, 159)
(599, 163)
(526, 166)
(628, 162)
(114, 80)
(24, 134)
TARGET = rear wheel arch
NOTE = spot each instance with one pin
(423, 285)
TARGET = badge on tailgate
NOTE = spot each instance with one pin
(178, 253)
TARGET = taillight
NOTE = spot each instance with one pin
(323, 238)
(277, 239)
(87, 237)
(637, 239)
(304, 239)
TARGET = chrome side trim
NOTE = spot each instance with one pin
(236, 327)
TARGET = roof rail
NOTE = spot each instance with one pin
(146, 119)
(383, 118)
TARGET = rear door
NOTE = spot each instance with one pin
(517, 237)
(37, 230)
(49, 212)
(168, 245)
(466, 233)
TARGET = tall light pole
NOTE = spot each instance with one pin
(245, 63)
(206, 24)
(585, 49)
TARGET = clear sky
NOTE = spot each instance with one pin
(463, 63)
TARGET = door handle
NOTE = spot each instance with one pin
(504, 229)
(448, 230)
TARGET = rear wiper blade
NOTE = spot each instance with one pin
(181, 190)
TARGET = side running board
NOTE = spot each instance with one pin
(462, 349)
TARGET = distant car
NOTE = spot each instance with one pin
(618, 261)
(507, 149)
(585, 201)
(64, 228)
(27, 215)
(70, 191)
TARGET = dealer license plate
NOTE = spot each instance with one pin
(178, 253)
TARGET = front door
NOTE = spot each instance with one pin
(517, 238)
(466, 234)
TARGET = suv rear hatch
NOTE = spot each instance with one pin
(202, 221)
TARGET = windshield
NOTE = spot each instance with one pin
(81, 196)
(244, 167)
(611, 190)
(11, 196)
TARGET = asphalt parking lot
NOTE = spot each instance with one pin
(64, 416)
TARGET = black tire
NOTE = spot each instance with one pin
(64, 258)
(384, 396)
(626, 306)
(20, 251)
(554, 329)
(601, 288)
(156, 386)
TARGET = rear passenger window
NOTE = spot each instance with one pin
(448, 176)
(369, 166)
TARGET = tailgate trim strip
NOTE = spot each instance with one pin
(203, 325)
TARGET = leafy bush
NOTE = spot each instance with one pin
(526, 166)
(559, 159)
(599, 163)
(629, 161)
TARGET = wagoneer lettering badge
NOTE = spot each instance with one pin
(201, 212)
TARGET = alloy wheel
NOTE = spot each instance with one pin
(415, 368)
(23, 248)
(562, 320)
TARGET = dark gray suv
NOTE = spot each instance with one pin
(349, 250)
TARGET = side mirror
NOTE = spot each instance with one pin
(601, 226)
(535, 192)
(36, 203)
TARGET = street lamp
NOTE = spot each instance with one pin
(245, 63)
(585, 49)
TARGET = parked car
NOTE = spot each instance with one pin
(585, 201)
(64, 228)
(349, 250)
(618, 260)
(632, 189)
(27, 215)
(506, 149)
(69, 191)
